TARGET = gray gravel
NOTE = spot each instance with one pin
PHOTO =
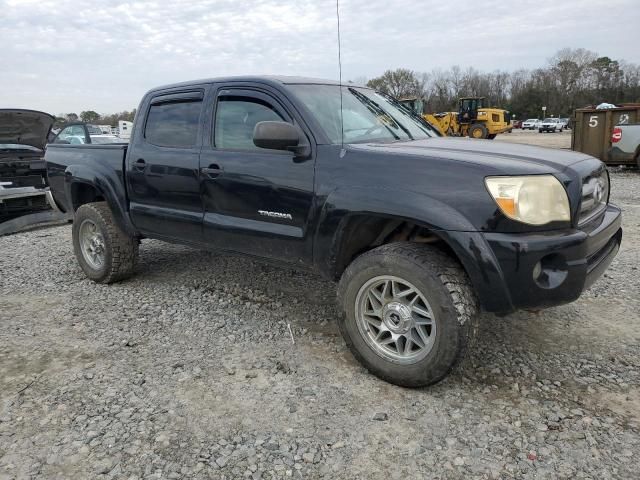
(188, 370)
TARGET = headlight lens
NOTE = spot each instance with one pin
(534, 199)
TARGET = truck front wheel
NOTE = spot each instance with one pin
(409, 313)
(105, 253)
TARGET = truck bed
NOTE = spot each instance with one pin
(64, 161)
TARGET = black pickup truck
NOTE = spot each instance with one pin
(419, 230)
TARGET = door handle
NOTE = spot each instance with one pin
(212, 171)
(139, 165)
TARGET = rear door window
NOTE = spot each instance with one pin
(173, 124)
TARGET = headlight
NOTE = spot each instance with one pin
(534, 199)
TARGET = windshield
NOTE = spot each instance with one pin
(550, 120)
(532, 120)
(367, 115)
(16, 146)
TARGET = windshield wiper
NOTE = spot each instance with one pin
(378, 111)
(411, 113)
(378, 108)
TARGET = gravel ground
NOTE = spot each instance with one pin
(533, 137)
(188, 370)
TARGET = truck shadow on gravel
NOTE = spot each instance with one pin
(520, 351)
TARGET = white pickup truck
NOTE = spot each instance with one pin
(625, 144)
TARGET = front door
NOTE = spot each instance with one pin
(163, 167)
(256, 201)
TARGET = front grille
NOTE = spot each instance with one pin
(23, 181)
(595, 195)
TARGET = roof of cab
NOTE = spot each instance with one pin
(266, 79)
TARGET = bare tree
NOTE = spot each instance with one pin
(572, 78)
(398, 83)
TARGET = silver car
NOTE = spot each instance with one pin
(551, 125)
(531, 124)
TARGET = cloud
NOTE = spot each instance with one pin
(62, 56)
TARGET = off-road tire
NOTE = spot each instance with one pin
(478, 126)
(446, 286)
(121, 249)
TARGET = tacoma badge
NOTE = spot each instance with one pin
(286, 216)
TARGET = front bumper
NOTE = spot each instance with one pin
(552, 268)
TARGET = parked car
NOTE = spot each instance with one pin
(625, 144)
(417, 229)
(84, 133)
(531, 124)
(550, 125)
(565, 123)
(23, 182)
(517, 124)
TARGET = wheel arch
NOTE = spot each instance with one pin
(84, 185)
(346, 231)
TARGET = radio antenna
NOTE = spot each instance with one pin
(340, 78)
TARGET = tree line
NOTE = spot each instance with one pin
(572, 78)
(90, 116)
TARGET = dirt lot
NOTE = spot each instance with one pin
(533, 137)
(188, 370)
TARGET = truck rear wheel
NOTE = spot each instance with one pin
(477, 130)
(105, 253)
(409, 313)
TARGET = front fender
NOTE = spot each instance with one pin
(107, 183)
(470, 247)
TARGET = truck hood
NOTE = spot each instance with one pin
(488, 153)
(25, 127)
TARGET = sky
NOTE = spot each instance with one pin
(67, 56)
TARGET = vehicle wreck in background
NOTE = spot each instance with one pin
(24, 196)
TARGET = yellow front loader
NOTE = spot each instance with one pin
(472, 119)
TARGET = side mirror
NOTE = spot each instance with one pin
(276, 136)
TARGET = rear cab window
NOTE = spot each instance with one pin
(174, 120)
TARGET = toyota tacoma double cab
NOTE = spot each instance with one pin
(418, 230)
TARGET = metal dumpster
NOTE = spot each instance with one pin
(592, 128)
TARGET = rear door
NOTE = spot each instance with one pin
(256, 201)
(163, 166)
